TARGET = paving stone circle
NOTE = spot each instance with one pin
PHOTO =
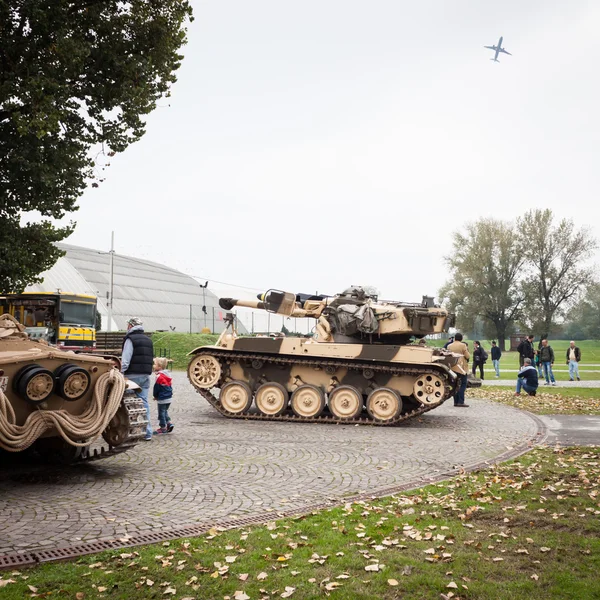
(211, 468)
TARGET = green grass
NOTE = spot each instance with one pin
(509, 363)
(177, 345)
(524, 529)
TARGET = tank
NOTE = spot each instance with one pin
(60, 405)
(366, 362)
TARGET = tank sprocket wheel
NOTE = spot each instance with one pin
(308, 401)
(271, 399)
(429, 389)
(205, 371)
(117, 430)
(384, 404)
(345, 402)
(236, 397)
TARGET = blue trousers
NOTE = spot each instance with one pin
(521, 385)
(163, 415)
(548, 374)
(573, 369)
(459, 396)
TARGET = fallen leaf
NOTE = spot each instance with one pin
(452, 585)
(32, 588)
(374, 567)
(288, 592)
(149, 582)
(79, 596)
(544, 549)
(243, 577)
(101, 588)
(332, 586)
(230, 559)
(535, 577)
(392, 582)
(240, 595)
(170, 591)
(261, 576)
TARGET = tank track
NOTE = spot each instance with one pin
(137, 431)
(323, 418)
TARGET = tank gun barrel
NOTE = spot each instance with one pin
(281, 303)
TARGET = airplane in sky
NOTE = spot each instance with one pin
(497, 49)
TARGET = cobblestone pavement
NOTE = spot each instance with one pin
(211, 468)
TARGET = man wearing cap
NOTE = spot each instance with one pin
(136, 363)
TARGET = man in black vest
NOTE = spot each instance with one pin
(136, 363)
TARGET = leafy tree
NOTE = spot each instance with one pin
(485, 267)
(75, 74)
(584, 319)
(556, 255)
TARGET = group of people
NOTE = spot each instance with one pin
(534, 364)
(137, 364)
(480, 356)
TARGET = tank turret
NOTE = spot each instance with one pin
(355, 315)
(363, 364)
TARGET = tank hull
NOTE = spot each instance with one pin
(354, 383)
(58, 404)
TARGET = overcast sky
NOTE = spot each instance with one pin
(313, 145)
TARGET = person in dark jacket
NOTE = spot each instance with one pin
(525, 350)
(547, 360)
(573, 358)
(527, 379)
(163, 394)
(136, 363)
(496, 354)
(479, 358)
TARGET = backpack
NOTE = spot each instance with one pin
(484, 355)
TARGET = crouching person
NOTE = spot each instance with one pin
(163, 394)
(527, 379)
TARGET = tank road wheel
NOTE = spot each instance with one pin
(204, 371)
(308, 401)
(345, 402)
(429, 389)
(236, 397)
(271, 399)
(384, 405)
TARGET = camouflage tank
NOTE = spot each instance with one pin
(63, 405)
(365, 362)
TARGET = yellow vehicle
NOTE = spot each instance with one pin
(65, 320)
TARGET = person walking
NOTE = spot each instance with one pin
(527, 379)
(525, 350)
(163, 394)
(573, 358)
(461, 368)
(479, 358)
(136, 363)
(547, 360)
(496, 355)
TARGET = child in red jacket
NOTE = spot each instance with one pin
(163, 394)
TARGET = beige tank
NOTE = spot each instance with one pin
(65, 406)
(365, 362)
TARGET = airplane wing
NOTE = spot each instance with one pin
(491, 47)
(505, 52)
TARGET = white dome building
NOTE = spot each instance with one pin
(165, 299)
